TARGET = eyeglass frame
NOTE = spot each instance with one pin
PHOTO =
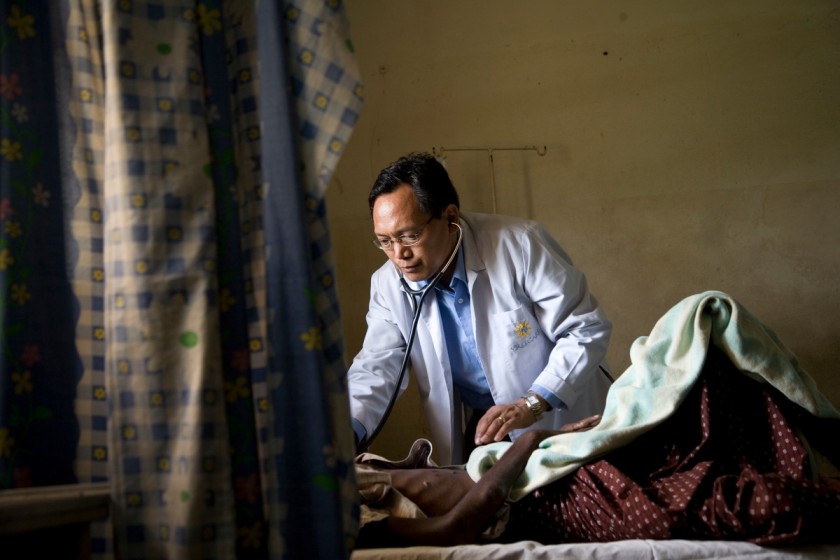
(399, 239)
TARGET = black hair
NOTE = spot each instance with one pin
(427, 178)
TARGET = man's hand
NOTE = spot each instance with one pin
(501, 419)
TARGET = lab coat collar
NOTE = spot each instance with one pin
(473, 263)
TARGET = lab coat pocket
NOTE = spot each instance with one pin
(520, 338)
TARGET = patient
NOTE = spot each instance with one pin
(731, 463)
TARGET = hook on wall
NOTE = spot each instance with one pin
(438, 152)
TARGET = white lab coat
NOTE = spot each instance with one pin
(534, 322)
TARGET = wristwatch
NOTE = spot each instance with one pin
(534, 404)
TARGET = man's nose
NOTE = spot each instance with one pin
(400, 251)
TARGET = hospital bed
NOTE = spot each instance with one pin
(738, 339)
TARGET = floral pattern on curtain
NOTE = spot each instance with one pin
(170, 320)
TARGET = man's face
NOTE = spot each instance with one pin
(397, 213)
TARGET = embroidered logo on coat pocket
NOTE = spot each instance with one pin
(522, 329)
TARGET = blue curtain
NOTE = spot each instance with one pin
(170, 321)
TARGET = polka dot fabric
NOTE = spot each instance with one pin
(728, 465)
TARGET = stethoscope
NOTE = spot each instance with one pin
(417, 297)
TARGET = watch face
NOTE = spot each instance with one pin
(534, 404)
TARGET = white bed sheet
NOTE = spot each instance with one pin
(639, 549)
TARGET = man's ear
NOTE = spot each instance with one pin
(452, 214)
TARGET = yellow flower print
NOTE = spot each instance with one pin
(262, 404)
(20, 294)
(306, 57)
(522, 329)
(255, 345)
(128, 69)
(99, 453)
(129, 432)
(292, 13)
(141, 266)
(165, 104)
(321, 101)
(95, 216)
(11, 150)
(6, 442)
(359, 91)
(244, 76)
(20, 22)
(132, 134)
(85, 95)
(238, 389)
(99, 393)
(41, 196)
(138, 200)
(156, 398)
(99, 333)
(6, 260)
(163, 464)
(98, 275)
(20, 113)
(336, 146)
(133, 499)
(312, 339)
(226, 300)
(13, 229)
(23, 382)
(254, 133)
(174, 233)
(209, 20)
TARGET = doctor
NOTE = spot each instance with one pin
(511, 339)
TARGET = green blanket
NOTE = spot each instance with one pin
(664, 367)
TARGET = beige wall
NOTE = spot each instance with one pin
(689, 146)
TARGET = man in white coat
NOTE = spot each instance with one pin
(509, 339)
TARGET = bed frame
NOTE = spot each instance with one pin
(639, 549)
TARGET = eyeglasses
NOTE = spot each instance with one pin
(407, 239)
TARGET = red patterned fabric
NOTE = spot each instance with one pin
(729, 464)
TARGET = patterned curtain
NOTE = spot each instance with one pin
(169, 318)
